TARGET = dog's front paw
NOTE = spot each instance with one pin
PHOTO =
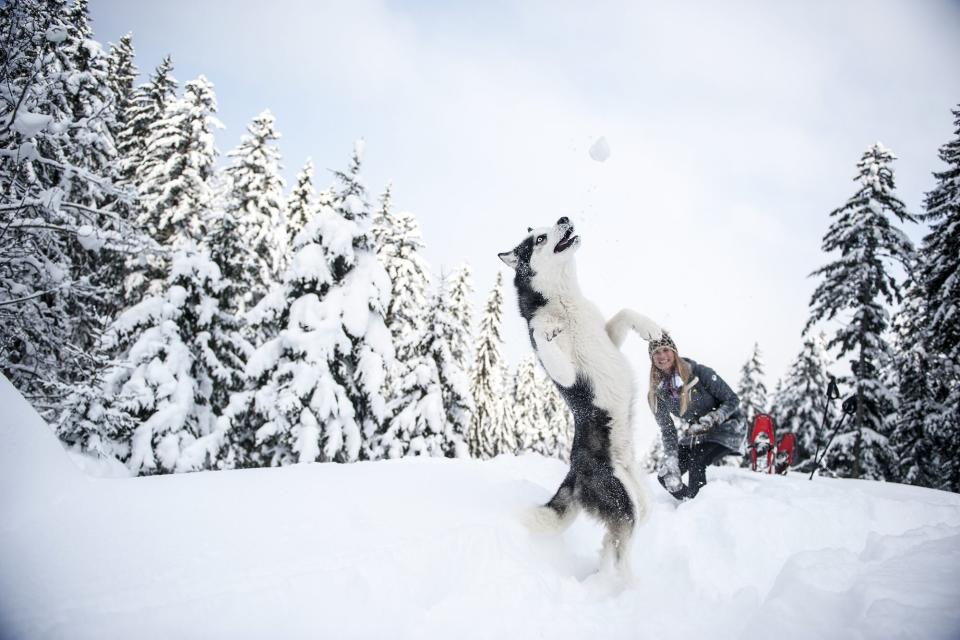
(648, 329)
(551, 333)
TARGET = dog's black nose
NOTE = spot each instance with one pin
(563, 220)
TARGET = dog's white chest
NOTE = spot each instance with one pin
(567, 340)
(554, 345)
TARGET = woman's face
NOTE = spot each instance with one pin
(664, 359)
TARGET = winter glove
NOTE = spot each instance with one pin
(669, 474)
(705, 423)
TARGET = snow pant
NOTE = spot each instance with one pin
(694, 459)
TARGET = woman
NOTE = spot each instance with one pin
(698, 396)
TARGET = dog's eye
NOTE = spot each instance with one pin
(541, 238)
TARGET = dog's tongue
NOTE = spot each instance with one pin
(565, 241)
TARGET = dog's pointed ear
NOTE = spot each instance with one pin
(509, 258)
(529, 229)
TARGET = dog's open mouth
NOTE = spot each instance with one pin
(565, 242)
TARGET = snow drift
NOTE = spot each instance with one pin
(432, 548)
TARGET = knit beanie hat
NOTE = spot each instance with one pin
(664, 341)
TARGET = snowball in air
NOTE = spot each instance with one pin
(600, 150)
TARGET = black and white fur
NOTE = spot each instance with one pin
(581, 353)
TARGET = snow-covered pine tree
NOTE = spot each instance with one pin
(122, 73)
(80, 89)
(940, 278)
(559, 419)
(398, 244)
(302, 203)
(55, 152)
(111, 267)
(149, 102)
(752, 389)
(415, 422)
(254, 209)
(316, 385)
(854, 287)
(799, 403)
(489, 435)
(918, 458)
(79, 92)
(531, 429)
(508, 408)
(180, 353)
(461, 312)
(444, 337)
(176, 186)
(777, 393)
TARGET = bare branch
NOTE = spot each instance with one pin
(6, 303)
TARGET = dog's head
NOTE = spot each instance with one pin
(543, 250)
(544, 265)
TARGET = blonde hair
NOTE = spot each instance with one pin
(682, 369)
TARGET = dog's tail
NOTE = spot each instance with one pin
(559, 513)
(626, 320)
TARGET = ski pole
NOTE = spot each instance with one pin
(849, 407)
(832, 394)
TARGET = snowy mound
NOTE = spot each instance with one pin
(35, 471)
(423, 548)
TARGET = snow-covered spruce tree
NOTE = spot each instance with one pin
(149, 102)
(301, 204)
(799, 404)
(122, 73)
(176, 187)
(80, 89)
(415, 422)
(55, 150)
(111, 266)
(559, 419)
(940, 278)
(444, 337)
(80, 94)
(179, 353)
(489, 434)
(316, 385)
(531, 429)
(461, 313)
(853, 290)
(751, 389)
(254, 208)
(918, 458)
(508, 408)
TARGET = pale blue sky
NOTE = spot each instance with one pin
(734, 129)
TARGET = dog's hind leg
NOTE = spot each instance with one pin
(609, 498)
(638, 494)
(615, 552)
(559, 513)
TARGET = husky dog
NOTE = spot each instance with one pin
(581, 354)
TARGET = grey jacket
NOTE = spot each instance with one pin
(708, 392)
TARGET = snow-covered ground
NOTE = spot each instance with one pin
(433, 548)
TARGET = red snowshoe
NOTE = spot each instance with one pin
(784, 456)
(762, 444)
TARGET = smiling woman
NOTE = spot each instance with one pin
(698, 396)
